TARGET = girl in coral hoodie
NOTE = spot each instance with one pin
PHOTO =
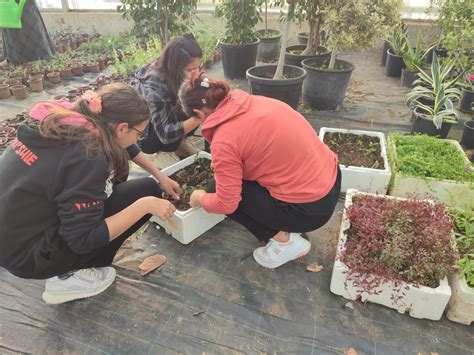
(272, 173)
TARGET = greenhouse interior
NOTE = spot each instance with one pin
(199, 176)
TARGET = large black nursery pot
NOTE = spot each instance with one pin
(237, 58)
(325, 89)
(408, 77)
(286, 90)
(385, 48)
(302, 38)
(269, 47)
(440, 53)
(394, 65)
(296, 59)
(467, 139)
(426, 126)
(467, 100)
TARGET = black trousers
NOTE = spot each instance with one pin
(264, 216)
(60, 259)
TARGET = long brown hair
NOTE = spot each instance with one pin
(178, 53)
(120, 103)
(199, 91)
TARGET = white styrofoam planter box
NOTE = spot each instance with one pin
(363, 179)
(185, 226)
(461, 305)
(450, 192)
(424, 302)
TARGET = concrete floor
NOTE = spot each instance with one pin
(211, 297)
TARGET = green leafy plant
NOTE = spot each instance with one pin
(158, 17)
(413, 57)
(439, 88)
(357, 24)
(425, 156)
(241, 17)
(208, 39)
(464, 232)
(137, 57)
(398, 39)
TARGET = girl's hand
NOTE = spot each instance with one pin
(164, 209)
(196, 198)
(171, 187)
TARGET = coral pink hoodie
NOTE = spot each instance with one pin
(256, 138)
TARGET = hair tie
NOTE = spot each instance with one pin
(93, 101)
(205, 83)
(204, 101)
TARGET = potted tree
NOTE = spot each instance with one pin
(433, 98)
(461, 305)
(349, 24)
(396, 252)
(427, 165)
(281, 81)
(157, 17)
(311, 11)
(239, 46)
(270, 39)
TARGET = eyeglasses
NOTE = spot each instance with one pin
(137, 130)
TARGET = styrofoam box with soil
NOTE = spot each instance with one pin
(185, 226)
(363, 179)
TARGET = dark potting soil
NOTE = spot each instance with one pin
(193, 177)
(355, 150)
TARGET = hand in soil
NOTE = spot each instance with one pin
(164, 209)
(171, 187)
(196, 198)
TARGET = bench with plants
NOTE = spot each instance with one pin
(396, 252)
(423, 165)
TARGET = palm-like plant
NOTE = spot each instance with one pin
(398, 39)
(442, 110)
(413, 57)
(429, 85)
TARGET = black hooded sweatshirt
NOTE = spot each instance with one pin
(51, 204)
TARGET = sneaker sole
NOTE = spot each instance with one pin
(59, 298)
(268, 266)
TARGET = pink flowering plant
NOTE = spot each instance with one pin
(402, 241)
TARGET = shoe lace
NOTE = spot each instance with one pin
(90, 272)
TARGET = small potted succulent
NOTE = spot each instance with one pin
(398, 43)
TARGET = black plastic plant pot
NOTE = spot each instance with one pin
(467, 101)
(467, 139)
(237, 58)
(394, 65)
(325, 89)
(287, 90)
(408, 78)
(440, 53)
(269, 47)
(426, 126)
(386, 47)
(296, 59)
(302, 38)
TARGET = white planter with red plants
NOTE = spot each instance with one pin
(360, 178)
(419, 301)
(450, 192)
(185, 226)
(461, 305)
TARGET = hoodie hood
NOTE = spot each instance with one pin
(234, 104)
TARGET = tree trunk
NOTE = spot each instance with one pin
(332, 62)
(284, 39)
(313, 38)
(166, 34)
(266, 17)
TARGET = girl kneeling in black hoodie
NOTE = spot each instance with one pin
(66, 207)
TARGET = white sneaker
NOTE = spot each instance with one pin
(275, 254)
(81, 284)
